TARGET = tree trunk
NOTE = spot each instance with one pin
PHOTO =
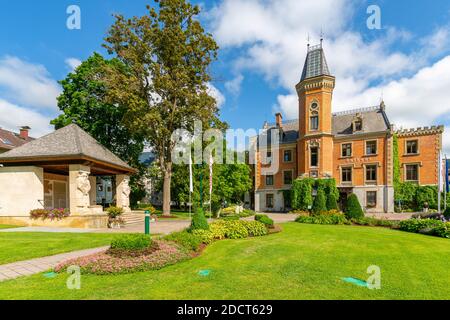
(166, 189)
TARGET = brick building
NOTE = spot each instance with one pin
(354, 147)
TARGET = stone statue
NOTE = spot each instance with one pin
(83, 188)
(126, 190)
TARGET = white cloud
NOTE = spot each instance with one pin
(72, 63)
(234, 86)
(27, 83)
(19, 116)
(272, 41)
(216, 94)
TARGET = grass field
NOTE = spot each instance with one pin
(18, 246)
(5, 226)
(302, 262)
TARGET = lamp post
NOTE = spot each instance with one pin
(147, 222)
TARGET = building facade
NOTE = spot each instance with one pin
(354, 147)
(10, 140)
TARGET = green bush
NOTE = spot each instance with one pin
(320, 204)
(301, 194)
(263, 218)
(114, 212)
(131, 242)
(334, 219)
(332, 202)
(416, 225)
(255, 228)
(236, 230)
(353, 210)
(206, 236)
(187, 240)
(447, 213)
(199, 221)
(373, 222)
(218, 229)
(230, 218)
(426, 194)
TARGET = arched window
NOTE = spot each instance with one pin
(314, 121)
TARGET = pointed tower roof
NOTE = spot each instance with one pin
(69, 143)
(315, 63)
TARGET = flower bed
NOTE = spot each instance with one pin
(162, 254)
(50, 214)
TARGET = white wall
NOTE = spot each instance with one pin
(21, 190)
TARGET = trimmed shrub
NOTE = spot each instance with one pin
(230, 218)
(187, 240)
(114, 212)
(353, 210)
(447, 213)
(335, 219)
(199, 221)
(236, 230)
(332, 202)
(301, 194)
(320, 204)
(218, 229)
(263, 218)
(255, 228)
(206, 236)
(416, 225)
(131, 242)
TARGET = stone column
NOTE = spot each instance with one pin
(79, 189)
(123, 192)
(93, 192)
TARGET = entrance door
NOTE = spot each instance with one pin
(59, 194)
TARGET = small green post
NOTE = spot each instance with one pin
(147, 222)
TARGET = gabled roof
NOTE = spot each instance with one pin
(70, 142)
(315, 63)
(10, 140)
(374, 119)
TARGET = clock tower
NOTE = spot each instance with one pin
(315, 92)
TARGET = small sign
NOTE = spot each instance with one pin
(358, 282)
(204, 273)
(50, 275)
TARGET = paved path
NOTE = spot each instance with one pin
(38, 265)
(158, 227)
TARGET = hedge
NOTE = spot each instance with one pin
(353, 209)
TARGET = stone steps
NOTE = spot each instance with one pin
(133, 218)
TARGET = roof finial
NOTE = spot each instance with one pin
(308, 39)
(321, 36)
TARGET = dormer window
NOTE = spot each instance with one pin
(357, 124)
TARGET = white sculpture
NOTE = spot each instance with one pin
(83, 188)
(126, 190)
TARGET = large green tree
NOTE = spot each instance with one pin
(166, 84)
(83, 102)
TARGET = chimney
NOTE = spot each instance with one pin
(24, 132)
(279, 120)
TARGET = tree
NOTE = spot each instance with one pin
(320, 203)
(83, 102)
(168, 55)
(301, 194)
(353, 210)
(332, 202)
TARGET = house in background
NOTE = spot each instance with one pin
(10, 140)
(354, 147)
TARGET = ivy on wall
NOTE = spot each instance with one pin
(302, 191)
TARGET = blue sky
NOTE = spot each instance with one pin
(263, 46)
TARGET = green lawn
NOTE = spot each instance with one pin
(302, 262)
(5, 226)
(18, 246)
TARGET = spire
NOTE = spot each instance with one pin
(315, 63)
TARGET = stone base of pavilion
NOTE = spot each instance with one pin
(91, 221)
